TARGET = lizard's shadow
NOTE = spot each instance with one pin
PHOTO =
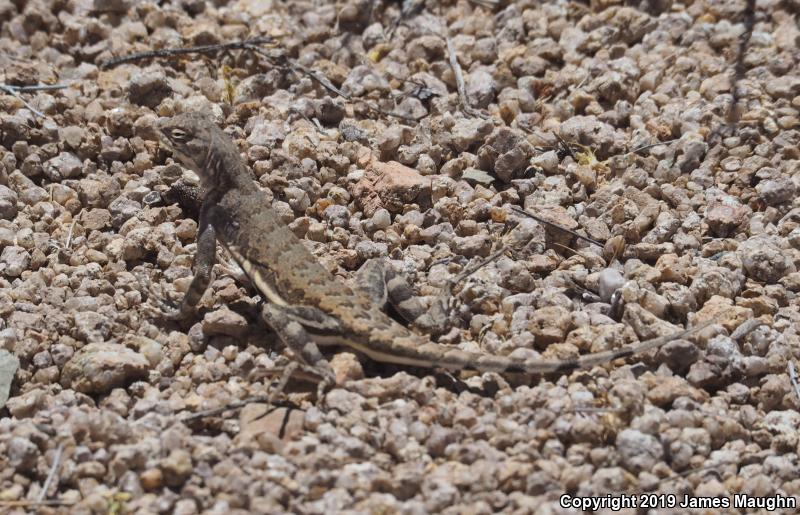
(373, 368)
(259, 330)
(451, 382)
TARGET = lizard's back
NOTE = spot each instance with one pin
(274, 255)
(285, 262)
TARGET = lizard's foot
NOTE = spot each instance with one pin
(165, 308)
(438, 318)
(322, 387)
(381, 282)
(173, 313)
(290, 369)
(325, 375)
(328, 381)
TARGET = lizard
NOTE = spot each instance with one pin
(304, 303)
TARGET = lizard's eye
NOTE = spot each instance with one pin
(178, 135)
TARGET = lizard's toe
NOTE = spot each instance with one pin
(166, 309)
(328, 381)
(158, 305)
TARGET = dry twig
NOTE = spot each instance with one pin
(566, 146)
(27, 504)
(555, 225)
(14, 92)
(441, 305)
(739, 69)
(36, 87)
(651, 145)
(323, 81)
(71, 230)
(460, 86)
(472, 268)
(52, 474)
(486, 4)
(245, 44)
(565, 247)
(255, 45)
(407, 10)
(745, 328)
(237, 405)
(447, 290)
(313, 121)
(593, 409)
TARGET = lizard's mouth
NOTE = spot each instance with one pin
(176, 152)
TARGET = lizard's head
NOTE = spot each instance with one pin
(189, 136)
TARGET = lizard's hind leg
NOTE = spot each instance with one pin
(370, 281)
(290, 323)
(381, 282)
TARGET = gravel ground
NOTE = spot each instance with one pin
(615, 121)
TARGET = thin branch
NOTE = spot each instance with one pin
(293, 369)
(421, 90)
(592, 409)
(565, 247)
(52, 474)
(459, 76)
(761, 455)
(555, 225)
(323, 81)
(651, 145)
(568, 91)
(69, 234)
(14, 93)
(739, 69)
(221, 409)
(25, 504)
(472, 268)
(442, 300)
(249, 44)
(689, 472)
(486, 4)
(407, 10)
(237, 405)
(253, 44)
(581, 83)
(313, 121)
(37, 87)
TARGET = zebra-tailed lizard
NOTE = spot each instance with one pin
(303, 302)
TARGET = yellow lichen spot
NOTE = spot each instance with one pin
(230, 88)
(321, 204)
(379, 51)
(587, 157)
(117, 502)
(498, 214)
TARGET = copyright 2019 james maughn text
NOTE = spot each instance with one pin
(652, 501)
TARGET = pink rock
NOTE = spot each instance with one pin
(391, 186)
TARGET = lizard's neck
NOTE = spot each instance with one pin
(225, 173)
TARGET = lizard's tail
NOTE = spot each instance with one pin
(459, 360)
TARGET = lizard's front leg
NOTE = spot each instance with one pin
(204, 261)
(290, 323)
